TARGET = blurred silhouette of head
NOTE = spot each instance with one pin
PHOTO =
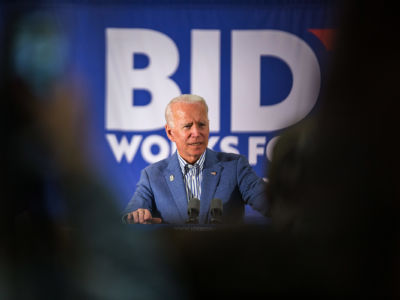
(334, 176)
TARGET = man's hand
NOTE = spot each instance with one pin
(142, 216)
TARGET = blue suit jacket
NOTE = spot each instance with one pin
(226, 176)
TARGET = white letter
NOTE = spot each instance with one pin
(254, 149)
(212, 141)
(227, 142)
(205, 71)
(123, 148)
(162, 145)
(122, 78)
(173, 148)
(247, 48)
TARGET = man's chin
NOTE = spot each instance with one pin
(196, 147)
(197, 150)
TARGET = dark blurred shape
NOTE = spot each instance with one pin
(39, 53)
(80, 250)
(333, 181)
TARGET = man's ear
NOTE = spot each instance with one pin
(170, 135)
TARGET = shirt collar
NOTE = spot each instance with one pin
(199, 162)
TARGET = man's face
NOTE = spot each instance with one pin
(190, 132)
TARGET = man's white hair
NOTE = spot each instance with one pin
(185, 98)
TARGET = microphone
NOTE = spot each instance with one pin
(216, 211)
(193, 211)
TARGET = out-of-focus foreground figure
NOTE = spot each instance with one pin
(334, 178)
(78, 250)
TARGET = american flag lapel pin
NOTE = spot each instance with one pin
(213, 173)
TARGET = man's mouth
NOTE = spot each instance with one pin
(195, 144)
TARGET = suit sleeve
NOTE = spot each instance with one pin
(143, 196)
(252, 187)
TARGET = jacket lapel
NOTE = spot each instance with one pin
(173, 177)
(211, 176)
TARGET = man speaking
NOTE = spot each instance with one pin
(194, 172)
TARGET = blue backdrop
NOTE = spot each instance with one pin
(258, 64)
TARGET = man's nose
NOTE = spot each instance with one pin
(195, 130)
